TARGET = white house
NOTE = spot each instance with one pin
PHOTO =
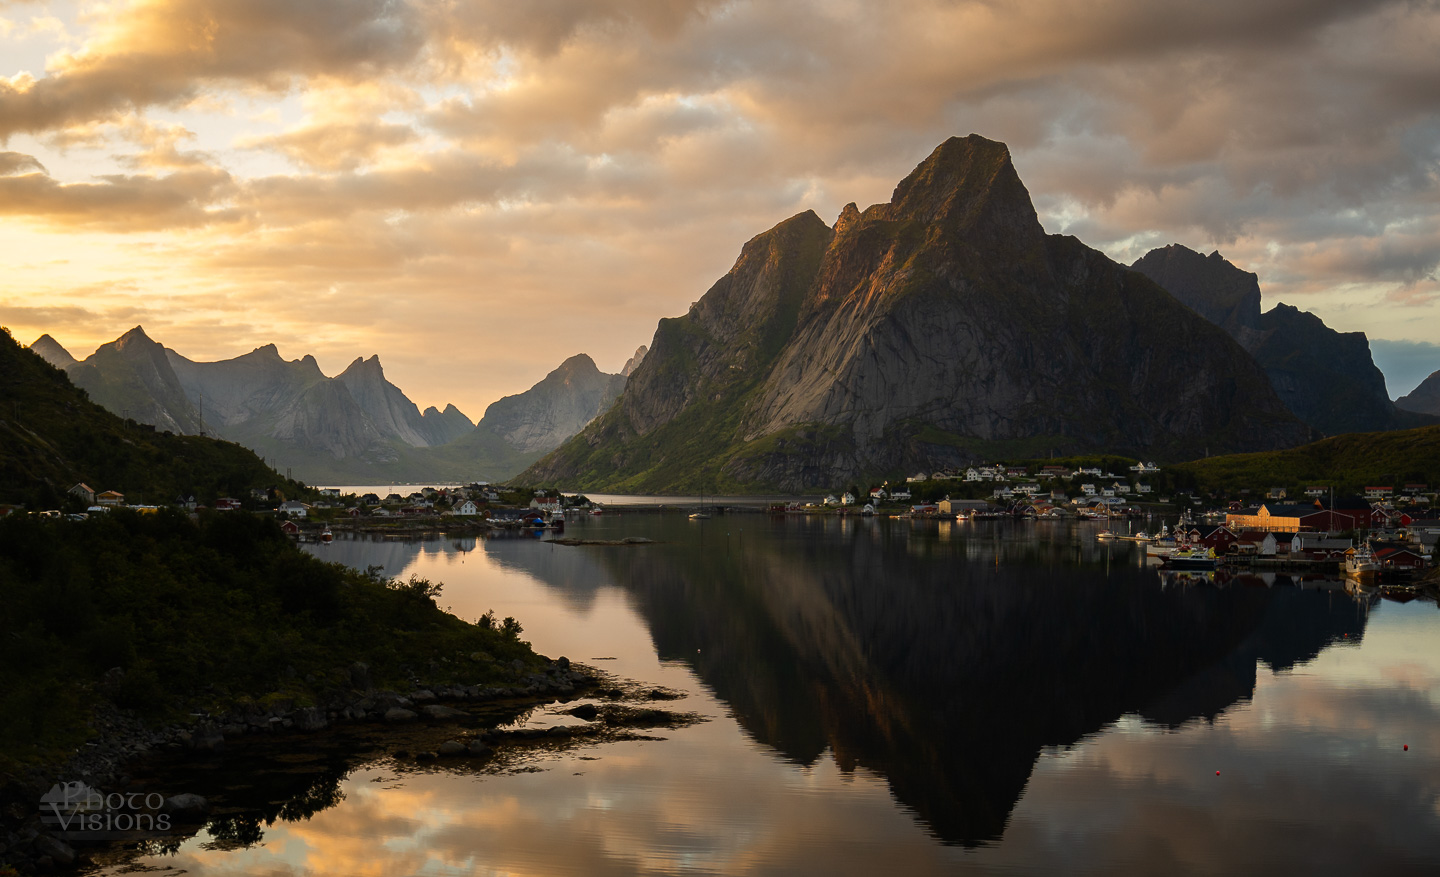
(848, 498)
(546, 503)
(972, 475)
(1087, 489)
(294, 508)
(466, 508)
(919, 476)
(1142, 488)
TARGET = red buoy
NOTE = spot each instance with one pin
(1407, 747)
(1217, 773)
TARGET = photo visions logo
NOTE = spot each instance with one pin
(74, 811)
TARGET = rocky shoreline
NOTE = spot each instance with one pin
(424, 724)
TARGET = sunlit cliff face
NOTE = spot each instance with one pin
(476, 190)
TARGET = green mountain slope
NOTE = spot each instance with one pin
(52, 436)
(1349, 463)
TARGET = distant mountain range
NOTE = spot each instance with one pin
(938, 329)
(52, 437)
(1327, 378)
(356, 426)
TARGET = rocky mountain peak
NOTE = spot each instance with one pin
(52, 352)
(634, 362)
(365, 368)
(576, 366)
(1424, 399)
(134, 336)
(966, 182)
(1209, 285)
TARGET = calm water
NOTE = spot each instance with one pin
(889, 697)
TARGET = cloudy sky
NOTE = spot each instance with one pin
(477, 189)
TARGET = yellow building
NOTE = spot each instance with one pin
(1270, 517)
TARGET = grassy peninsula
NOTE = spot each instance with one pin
(205, 616)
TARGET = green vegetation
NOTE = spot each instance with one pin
(52, 436)
(204, 615)
(1349, 463)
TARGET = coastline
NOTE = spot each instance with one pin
(455, 726)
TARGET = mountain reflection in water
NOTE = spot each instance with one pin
(1030, 699)
(948, 675)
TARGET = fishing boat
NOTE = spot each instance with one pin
(1361, 565)
(1191, 558)
(326, 535)
(1162, 545)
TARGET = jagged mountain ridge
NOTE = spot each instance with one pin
(131, 376)
(53, 435)
(931, 330)
(1327, 378)
(1425, 398)
(354, 427)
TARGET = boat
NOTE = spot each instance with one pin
(326, 535)
(1360, 564)
(1191, 558)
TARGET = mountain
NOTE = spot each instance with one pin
(53, 436)
(445, 426)
(630, 364)
(1211, 286)
(1327, 378)
(131, 376)
(391, 411)
(50, 350)
(356, 427)
(556, 408)
(1424, 399)
(942, 327)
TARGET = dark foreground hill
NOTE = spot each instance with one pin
(52, 437)
(940, 328)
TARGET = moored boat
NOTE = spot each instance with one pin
(1192, 558)
(1360, 564)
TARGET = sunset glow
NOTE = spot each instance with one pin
(476, 190)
